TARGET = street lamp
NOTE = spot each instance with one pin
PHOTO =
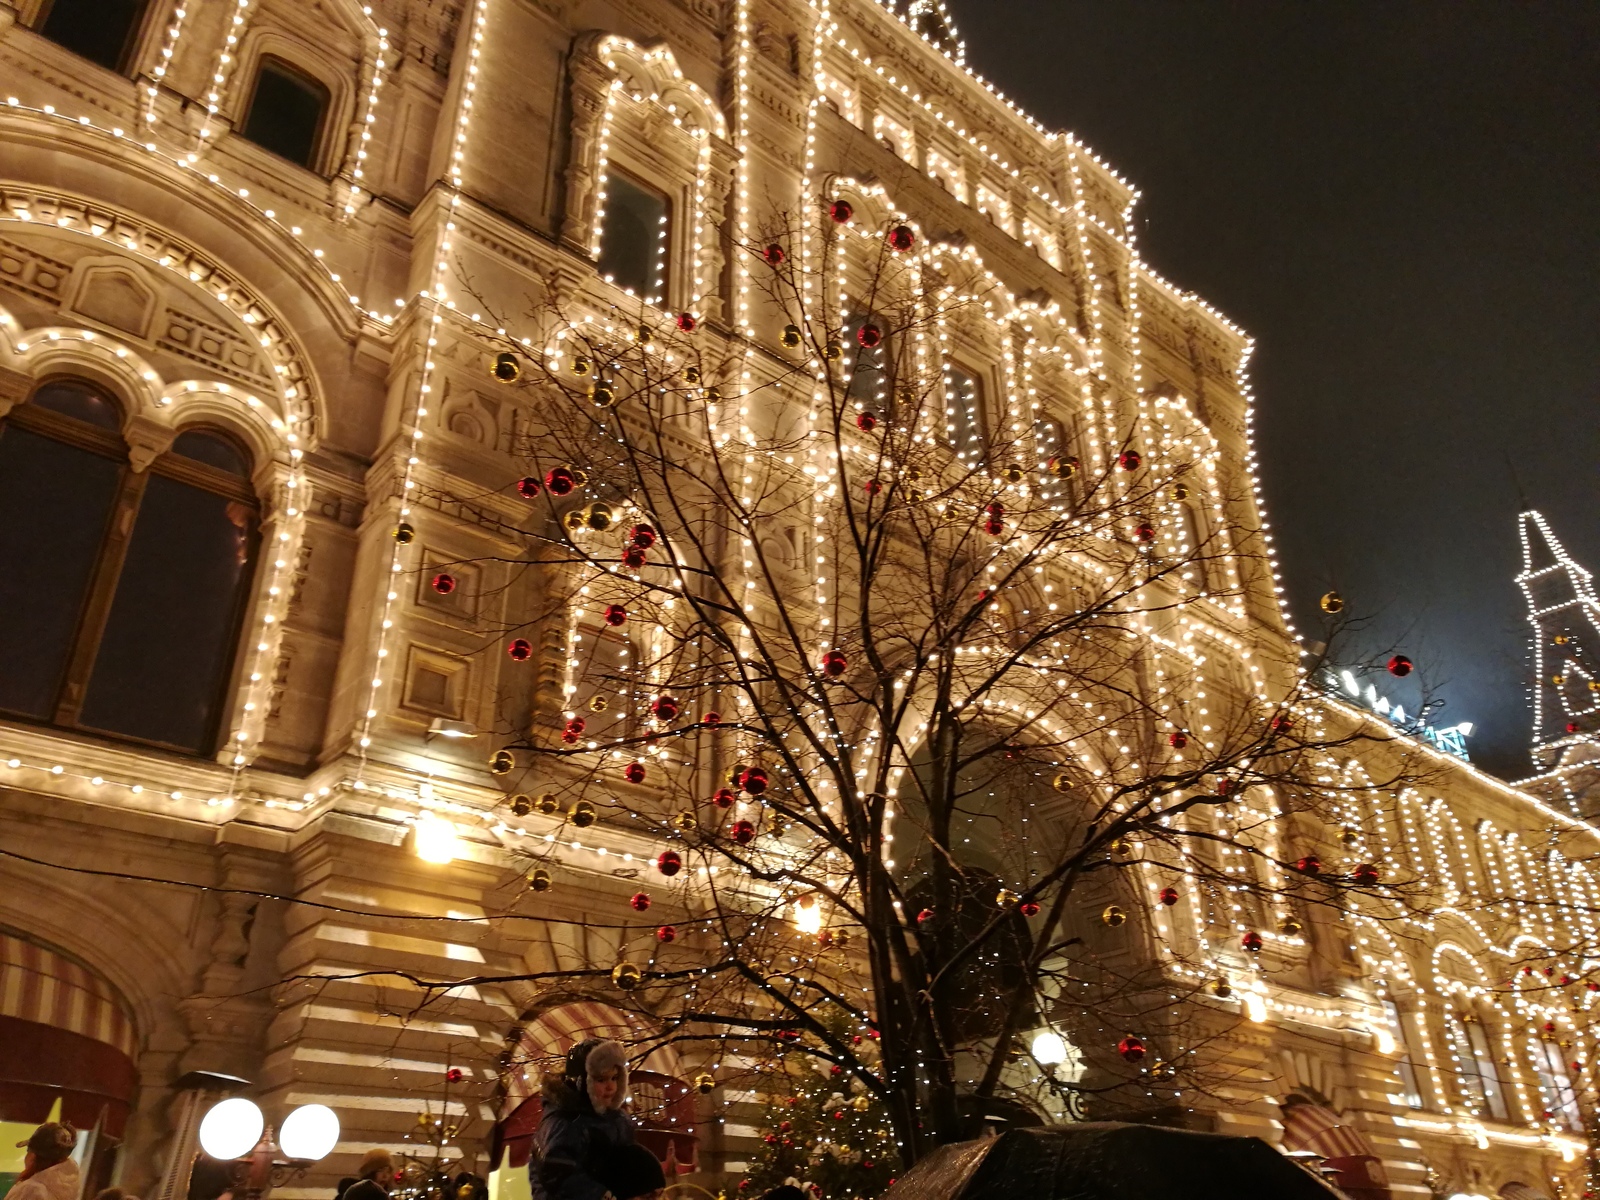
(1049, 1049)
(235, 1130)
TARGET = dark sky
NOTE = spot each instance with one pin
(1401, 201)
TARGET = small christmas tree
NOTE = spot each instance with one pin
(824, 1131)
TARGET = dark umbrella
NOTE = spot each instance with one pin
(1109, 1161)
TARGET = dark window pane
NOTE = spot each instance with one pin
(100, 30)
(54, 501)
(286, 114)
(211, 450)
(869, 365)
(79, 401)
(963, 406)
(169, 640)
(633, 238)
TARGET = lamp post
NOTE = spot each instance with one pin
(235, 1130)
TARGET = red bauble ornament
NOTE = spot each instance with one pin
(444, 583)
(616, 615)
(925, 916)
(1365, 875)
(1029, 908)
(901, 238)
(1282, 722)
(686, 322)
(724, 798)
(454, 1075)
(1252, 941)
(754, 780)
(1309, 865)
(835, 663)
(568, 737)
(866, 422)
(774, 255)
(994, 526)
(665, 708)
(1131, 1048)
(576, 726)
(667, 933)
(869, 335)
(528, 487)
(1177, 739)
(841, 211)
(1400, 666)
(669, 863)
(1227, 787)
(711, 720)
(642, 536)
(559, 481)
(1169, 896)
(633, 558)
(634, 772)
(1573, 727)
(640, 901)
(1129, 460)
(520, 649)
(1146, 532)
(872, 487)
(743, 832)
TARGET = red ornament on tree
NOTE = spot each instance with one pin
(1131, 1048)
(724, 798)
(616, 615)
(872, 487)
(640, 901)
(1400, 666)
(1365, 875)
(444, 583)
(754, 780)
(1169, 896)
(454, 1075)
(1029, 908)
(1227, 787)
(669, 863)
(1309, 865)
(925, 916)
(994, 526)
(835, 663)
(528, 487)
(576, 726)
(1252, 941)
(1146, 532)
(711, 720)
(1573, 727)
(634, 772)
(667, 933)
(866, 422)
(869, 335)
(642, 535)
(901, 238)
(665, 708)
(559, 481)
(1177, 739)
(841, 211)
(520, 649)
(633, 558)
(1129, 460)
(686, 322)
(774, 255)
(743, 832)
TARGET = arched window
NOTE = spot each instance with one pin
(123, 591)
(103, 31)
(287, 112)
(870, 365)
(635, 237)
(1476, 1072)
(963, 410)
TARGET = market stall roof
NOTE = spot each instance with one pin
(1109, 1161)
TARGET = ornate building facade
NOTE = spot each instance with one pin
(255, 262)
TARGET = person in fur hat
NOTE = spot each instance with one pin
(584, 1148)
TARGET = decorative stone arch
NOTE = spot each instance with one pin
(633, 106)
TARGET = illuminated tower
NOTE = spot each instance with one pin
(1565, 614)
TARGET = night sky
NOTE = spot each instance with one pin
(1401, 201)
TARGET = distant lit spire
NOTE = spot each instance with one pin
(1565, 614)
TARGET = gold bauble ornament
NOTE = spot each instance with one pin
(1114, 916)
(1290, 927)
(642, 335)
(713, 395)
(1561, 639)
(502, 762)
(791, 336)
(579, 476)
(405, 532)
(1121, 846)
(1012, 473)
(583, 814)
(599, 517)
(1350, 837)
(581, 365)
(573, 520)
(598, 704)
(506, 368)
(861, 1104)
(1180, 491)
(686, 821)
(833, 351)
(1220, 988)
(603, 395)
(705, 1084)
(1005, 898)
(1062, 782)
(626, 976)
(539, 881)
(547, 803)
(521, 805)
(1163, 1070)
(1331, 603)
(1558, 680)
(691, 374)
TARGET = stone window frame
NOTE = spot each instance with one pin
(142, 36)
(335, 144)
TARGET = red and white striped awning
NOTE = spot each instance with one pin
(40, 985)
(546, 1040)
(1521, 1191)
(1312, 1127)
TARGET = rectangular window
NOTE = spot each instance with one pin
(286, 113)
(1402, 1049)
(946, 174)
(1475, 1067)
(100, 30)
(895, 136)
(963, 410)
(635, 238)
(992, 205)
(1555, 1087)
(843, 99)
(1042, 243)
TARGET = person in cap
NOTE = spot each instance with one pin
(374, 1177)
(48, 1172)
(584, 1148)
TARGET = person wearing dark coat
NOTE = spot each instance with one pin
(584, 1148)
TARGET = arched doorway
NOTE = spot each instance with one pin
(69, 1043)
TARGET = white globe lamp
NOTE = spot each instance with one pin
(231, 1129)
(1049, 1050)
(310, 1132)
